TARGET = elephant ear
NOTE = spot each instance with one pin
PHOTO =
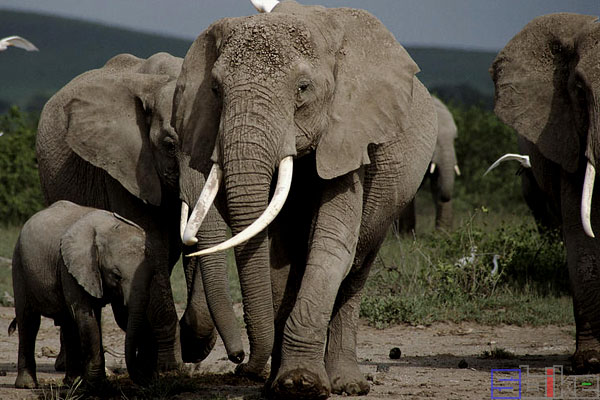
(107, 126)
(372, 95)
(80, 254)
(196, 110)
(531, 76)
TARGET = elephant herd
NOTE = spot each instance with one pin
(292, 129)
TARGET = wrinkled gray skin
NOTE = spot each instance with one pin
(70, 261)
(306, 82)
(548, 88)
(442, 178)
(105, 141)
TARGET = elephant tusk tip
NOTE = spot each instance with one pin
(190, 241)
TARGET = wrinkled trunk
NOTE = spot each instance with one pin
(137, 349)
(249, 157)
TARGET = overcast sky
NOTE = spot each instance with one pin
(471, 24)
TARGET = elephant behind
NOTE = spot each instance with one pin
(69, 261)
(105, 141)
(304, 93)
(441, 174)
(547, 81)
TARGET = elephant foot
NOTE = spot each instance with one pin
(249, 372)
(195, 348)
(586, 361)
(25, 380)
(303, 382)
(346, 378)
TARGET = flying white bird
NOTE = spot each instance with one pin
(524, 160)
(17, 41)
(264, 5)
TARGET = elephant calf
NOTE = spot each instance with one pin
(70, 261)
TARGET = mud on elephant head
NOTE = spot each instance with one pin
(547, 82)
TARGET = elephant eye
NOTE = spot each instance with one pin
(170, 144)
(303, 87)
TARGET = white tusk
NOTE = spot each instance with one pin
(209, 192)
(284, 181)
(184, 217)
(457, 170)
(586, 199)
(524, 160)
(432, 167)
(264, 5)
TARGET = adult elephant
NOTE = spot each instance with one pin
(547, 87)
(307, 84)
(441, 174)
(105, 141)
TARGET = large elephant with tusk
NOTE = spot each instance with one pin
(105, 141)
(314, 132)
(547, 82)
(441, 173)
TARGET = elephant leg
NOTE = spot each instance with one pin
(407, 220)
(28, 324)
(583, 259)
(340, 357)
(73, 359)
(59, 363)
(302, 371)
(443, 214)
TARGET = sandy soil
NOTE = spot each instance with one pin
(427, 369)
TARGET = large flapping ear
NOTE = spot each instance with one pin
(107, 126)
(372, 95)
(196, 110)
(531, 75)
(80, 255)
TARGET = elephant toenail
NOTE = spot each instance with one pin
(288, 383)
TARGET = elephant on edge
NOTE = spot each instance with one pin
(105, 141)
(70, 261)
(303, 92)
(441, 173)
(547, 84)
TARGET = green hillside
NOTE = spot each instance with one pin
(69, 47)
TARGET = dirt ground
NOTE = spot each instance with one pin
(441, 361)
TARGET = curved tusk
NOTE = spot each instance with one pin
(524, 160)
(209, 192)
(586, 199)
(457, 170)
(264, 5)
(185, 209)
(284, 182)
(432, 167)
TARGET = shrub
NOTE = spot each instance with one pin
(20, 191)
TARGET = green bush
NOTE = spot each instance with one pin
(482, 139)
(20, 191)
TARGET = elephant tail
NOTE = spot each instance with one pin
(12, 327)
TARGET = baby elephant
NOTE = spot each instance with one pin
(70, 261)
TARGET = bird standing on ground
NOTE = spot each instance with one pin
(17, 41)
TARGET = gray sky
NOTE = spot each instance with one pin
(471, 24)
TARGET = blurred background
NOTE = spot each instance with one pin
(418, 278)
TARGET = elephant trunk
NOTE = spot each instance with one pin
(247, 185)
(140, 355)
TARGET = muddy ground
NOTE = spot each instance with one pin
(441, 361)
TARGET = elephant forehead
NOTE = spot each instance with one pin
(588, 47)
(265, 45)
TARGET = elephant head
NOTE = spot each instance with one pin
(256, 92)
(106, 254)
(548, 88)
(444, 165)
